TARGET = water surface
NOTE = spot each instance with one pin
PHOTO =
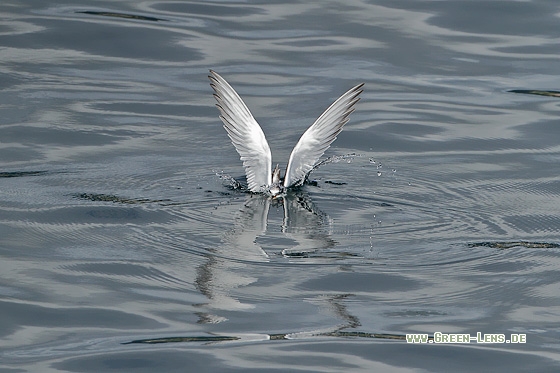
(124, 247)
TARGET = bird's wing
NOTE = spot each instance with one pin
(245, 134)
(317, 139)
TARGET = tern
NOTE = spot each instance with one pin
(249, 140)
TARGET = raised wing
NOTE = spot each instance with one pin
(317, 139)
(245, 134)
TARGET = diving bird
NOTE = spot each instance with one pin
(249, 140)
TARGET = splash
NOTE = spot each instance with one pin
(229, 181)
(232, 183)
(349, 158)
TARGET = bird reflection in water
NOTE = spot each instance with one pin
(265, 229)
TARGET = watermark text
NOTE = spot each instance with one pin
(439, 337)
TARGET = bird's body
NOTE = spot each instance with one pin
(250, 142)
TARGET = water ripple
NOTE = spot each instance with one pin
(122, 249)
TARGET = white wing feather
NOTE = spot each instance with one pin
(317, 139)
(245, 134)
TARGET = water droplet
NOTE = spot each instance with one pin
(394, 170)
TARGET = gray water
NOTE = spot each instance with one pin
(124, 247)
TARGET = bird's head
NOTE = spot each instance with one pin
(276, 187)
